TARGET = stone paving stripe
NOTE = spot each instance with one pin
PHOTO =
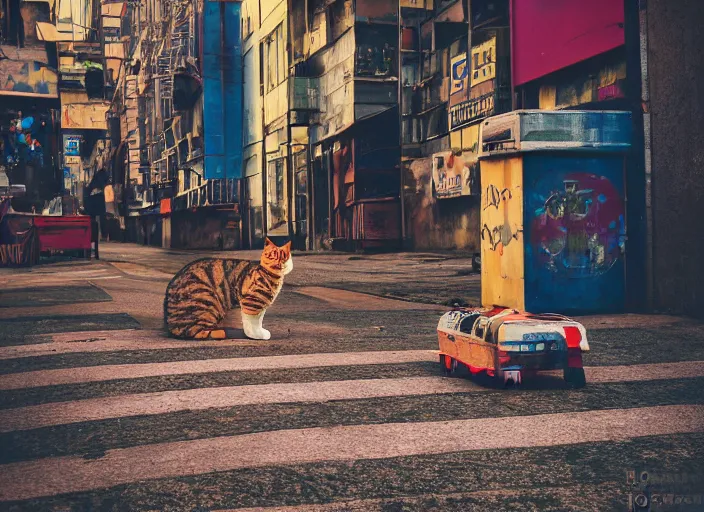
(15, 398)
(360, 301)
(47, 477)
(62, 413)
(346, 506)
(135, 371)
(64, 281)
(107, 341)
(93, 438)
(595, 374)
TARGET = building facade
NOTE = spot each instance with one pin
(342, 124)
(29, 104)
(175, 123)
(266, 193)
(456, 74)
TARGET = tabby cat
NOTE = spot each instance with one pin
(200, 295)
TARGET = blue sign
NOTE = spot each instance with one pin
(72, 145)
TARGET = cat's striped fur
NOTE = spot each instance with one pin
(200, 295)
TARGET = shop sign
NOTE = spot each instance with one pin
(484, 62)
(72, 145)
(471, 110)
(451, 175)
(72, 160)
(472, 85)
(459, 73)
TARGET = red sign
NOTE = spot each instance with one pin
(63, 233)
(165, 207)
(552, 34)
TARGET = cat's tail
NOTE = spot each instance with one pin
(192, 334)
(214, 334)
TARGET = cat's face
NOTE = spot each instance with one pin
(277, 257)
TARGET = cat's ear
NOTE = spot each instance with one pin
(269, 243)
(287, 248)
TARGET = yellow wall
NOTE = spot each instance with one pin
(451, 224)
(502, 233)
(581, 91)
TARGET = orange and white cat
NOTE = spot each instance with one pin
(200, 295)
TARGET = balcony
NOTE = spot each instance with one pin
(211, 193)
(304, 93)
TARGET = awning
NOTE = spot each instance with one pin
(48, 32)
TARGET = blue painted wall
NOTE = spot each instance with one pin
(574, 232)
(222, 90)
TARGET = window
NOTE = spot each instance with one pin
(11, 25)
(274, 59)
(261, 69)
(276, 193)
(246, 21)
(481, 326)
(468, 323)
(376, 51)
(279, 196)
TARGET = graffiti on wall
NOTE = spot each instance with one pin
(580, 229)
(497, 229)
(28, 78)
(494, 196)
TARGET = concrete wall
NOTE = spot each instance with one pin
(676, 68)
(446, 224)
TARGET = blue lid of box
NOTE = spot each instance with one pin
(556, 130)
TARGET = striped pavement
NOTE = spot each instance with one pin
(92, 420)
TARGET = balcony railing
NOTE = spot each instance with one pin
(211, 193)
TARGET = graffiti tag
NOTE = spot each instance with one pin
(494, 196)
(499, 235)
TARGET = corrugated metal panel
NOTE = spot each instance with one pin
(376, 221)
(222, 90)
(232, 77)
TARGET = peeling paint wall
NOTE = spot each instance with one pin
(25, 73)
(447, 224)
(83, 116)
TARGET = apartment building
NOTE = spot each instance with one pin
(29, 105)
(175, 123)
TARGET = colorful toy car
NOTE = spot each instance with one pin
(508, 345)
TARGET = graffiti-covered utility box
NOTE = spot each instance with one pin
(553, 226)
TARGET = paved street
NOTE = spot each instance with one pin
(344, 409)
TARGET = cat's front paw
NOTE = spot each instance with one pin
(259, 334)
